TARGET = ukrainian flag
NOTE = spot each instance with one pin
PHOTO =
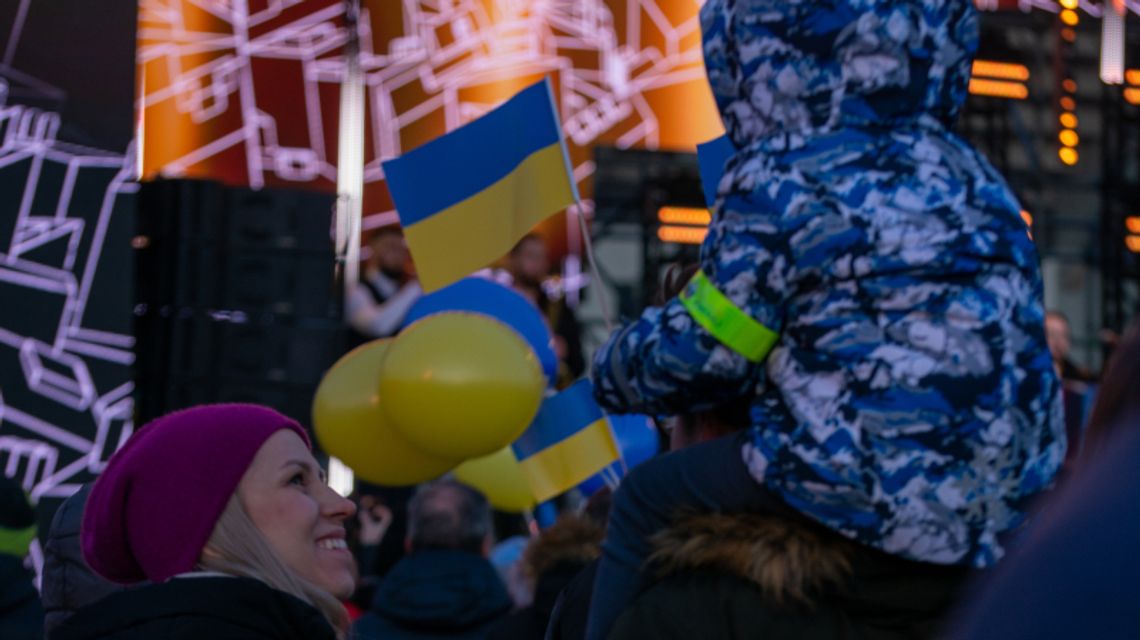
(465, 198)
(711, 158)
(569, 441)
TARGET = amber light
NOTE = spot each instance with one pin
(1069, 85)
(1069, 138)
(1068, 120)
(1070, 17)
(1132, 76)
(682, 235)
(683, 215)
(1133, 243)
(1069, 155)
(1133, 224)
(1132, 96)
(1000, 70)
(998, 89)
(1069, 4)
(1068, 104)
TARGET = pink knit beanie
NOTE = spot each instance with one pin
(152, 510)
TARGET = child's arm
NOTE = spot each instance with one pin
(705, 346)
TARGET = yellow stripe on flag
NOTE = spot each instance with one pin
(562, 466)
(470, 234)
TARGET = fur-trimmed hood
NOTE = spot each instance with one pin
(790, 561)
(570, 541)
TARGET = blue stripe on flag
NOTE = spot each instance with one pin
(711, 158)
(464, 162)
(560, 417)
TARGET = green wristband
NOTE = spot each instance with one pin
(15, 542)
(729, 324)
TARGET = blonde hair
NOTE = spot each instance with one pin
(237, 548)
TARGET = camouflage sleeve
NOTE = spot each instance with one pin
(668, 362)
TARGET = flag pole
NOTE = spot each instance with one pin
(607, 316)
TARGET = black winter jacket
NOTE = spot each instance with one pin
(436, 594)
(198, 608)
(21, 616)
(750, 576)
(68, 583)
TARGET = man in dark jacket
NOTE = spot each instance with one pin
(444, 587)
(21, 615)
(750, 576)
(68, 583)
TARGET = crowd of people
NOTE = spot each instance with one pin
(866, 405)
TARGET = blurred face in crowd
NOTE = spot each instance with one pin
(301, 517)
(389, 254)
(529, 264)
(1057, 335)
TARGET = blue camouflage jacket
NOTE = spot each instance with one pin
(909, 401)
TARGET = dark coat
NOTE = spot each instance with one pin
(553, 560)
(435, 594)
(68, 583)
(750, 576)
(530, 622)
(1074, 573)
(198, 608)
(21, 615)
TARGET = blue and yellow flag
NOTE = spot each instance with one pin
(465, 198)
(711, 157)
(569, 441)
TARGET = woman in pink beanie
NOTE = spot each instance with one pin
(224, 510)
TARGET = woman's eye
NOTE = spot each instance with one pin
(299, 479)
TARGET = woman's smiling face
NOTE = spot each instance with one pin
(285, 494)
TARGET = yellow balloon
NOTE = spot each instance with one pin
(350, 424)
(461, 385)
(500, 478)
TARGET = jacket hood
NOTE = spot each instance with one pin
(442, 591)
(797, 564)
(569, 541)
(790, 562)
(787, 66)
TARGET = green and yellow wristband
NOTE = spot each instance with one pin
(15, 542)
(729, 324)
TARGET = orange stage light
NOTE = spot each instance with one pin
(998, 89)
(1068, 35)
(1000, 70)
(1069, 155)
(1133, 224)
(1069, 138)
(1069, 4)
(1070, 17)
(1069, 120)
(1068, 104)
(1133, 243)
(1132, 76)
(682, 235)
(684, 215)
(1069, 85)
(1132, 96)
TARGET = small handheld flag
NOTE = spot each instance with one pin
(465, 198)
(569, 441)
(711, 157)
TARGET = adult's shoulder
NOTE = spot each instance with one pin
(215, 607)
